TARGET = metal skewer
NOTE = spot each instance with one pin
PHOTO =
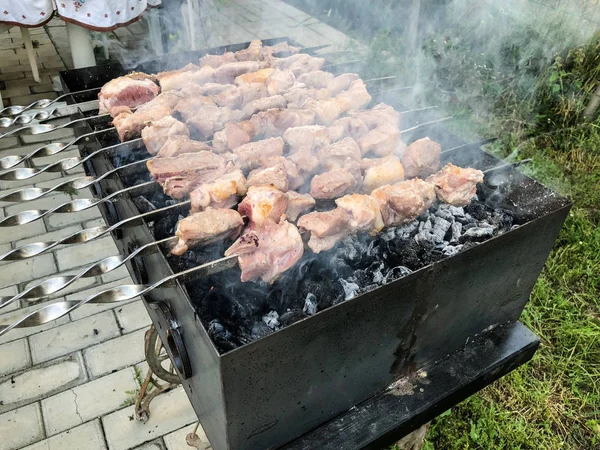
(106, 265)
(40, 104)
(54, 113)
(41, 128)
(56, 310)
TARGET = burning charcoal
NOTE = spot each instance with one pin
(310, 305)
(220, 336)
(457, 211)
(440, 227)
(350, 289)
(260, 329)
(476, 235)
(375, 270)
(270, 320)
(476, 210)
(406, 231)
(143, 204)
(452, 250)
(456, 230)
(502, 219)
(291, 316)
(445, 213)
(170, 202)
(395, 273)
(164, 226)
(469, 225)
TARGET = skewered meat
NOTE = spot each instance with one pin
(456, 185)
(404, 201)
(252, 153)
(262, 204)
(207, 89)
(421, 158)
(363, 211)
(327, 111)
(260, 77)
(299, 63)
(318, 79)
(179, 175)
(297, 96)
(177, 145)
(210, 119)
(384, 171)
(356, 95)
(377, 115)
(383, 140)
(232, 136)
(262, 104)
(280, 81)
(130, 124)
(309, 136)
(346, 126)
(275, 122)
(333, 184)
(227, 73)
(298, 204)
(267, 251)
(337, 154)
(294, 177)
(130, 90)
(305, 160)
(201, 228)
(281, 47)
(189, 106)
(254, 52)
(190, 74)
(220, 194)
(326, 228)
(215, 61)
(274, 176)
(157, 133)
(341, 83)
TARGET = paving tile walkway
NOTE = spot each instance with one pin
(64, 385)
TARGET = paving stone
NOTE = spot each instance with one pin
(26, 270)
(170, 412)
(15, 92)
(49, 236)
(41, 88)
(114, 354)
(117, 274)
(83, 254)
(54, 158)
(21, 427)
(154, 445)
(176, 440)
(289, 10)
(17, 333)
(46, 202)
(73, 336)
(14, 68)
(79, 285)
(9, 292)
(7, 53)
(46, 137)
(8, 142)
(6, 185)
(84, 437)
(60, 220)
(133, 317)
(14, 356)
(330, 33)
(87, 401)
(54, 65)
(41, 382)
(91, 308)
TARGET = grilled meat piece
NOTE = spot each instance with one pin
(337, 154)
(363, 211)
(210, 119)
(297, 96)
(129, 125)
(252, 153)
(222, 193)
(326, 228)
(177, 145)
(421, 158)
(254, 52)
(341, 83)
(405, 201)
(279, 82)
(233, 135)
(317, 79)
(281, 47)
(275, 122)
(295, 178)
(267, 251)
(305, 160)
(346, 126)
(298, 204)
(130, 90)
(456, 185)
(383, 140)
(190, 74)
(205, 227)
(262, 204)
(377, 115)
(156, 133)
(180, 174)
(259, 77)
(308, 136)
(327, 111)
(299, 63)
(274, 176)
(191, 105)
(216, 61)
(227, 73)
(262, 104)
(357, 95)
(380, 172)
(333, 184)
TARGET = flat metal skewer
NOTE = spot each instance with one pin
(40, 104)
(53, 285)
(41, 128)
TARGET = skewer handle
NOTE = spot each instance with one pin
(40, 104)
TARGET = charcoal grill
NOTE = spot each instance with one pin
(446, 329)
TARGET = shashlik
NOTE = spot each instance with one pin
(130, 91)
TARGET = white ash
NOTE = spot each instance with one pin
(350, 289)
(310, 304)
(271, 320)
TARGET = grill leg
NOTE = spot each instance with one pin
(30, 53)
(80, 41)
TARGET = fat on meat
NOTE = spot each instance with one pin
(130, 90)
(405, 201)
(156, 133)
(363, 212)
(456, 185)
(263, 203)
(380, 172)
(219, 194)
(176, 145)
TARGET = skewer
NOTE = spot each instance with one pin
(40, 104)
(56, 310)
(102, 267)
(41, 128)
(54, 113)
(82, 236)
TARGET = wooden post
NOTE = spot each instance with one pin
(80, 41)
(30, 53)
